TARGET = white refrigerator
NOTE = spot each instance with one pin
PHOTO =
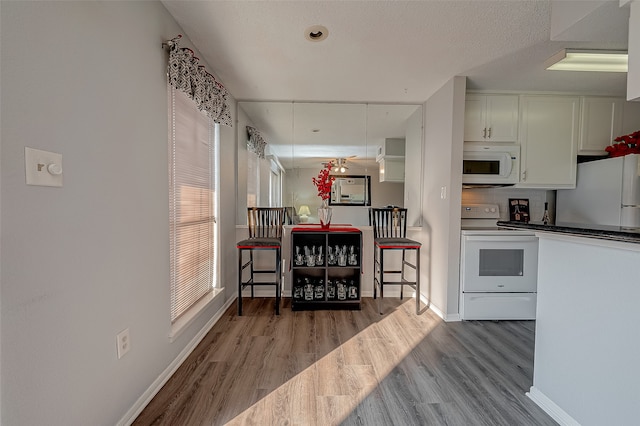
(607, 193)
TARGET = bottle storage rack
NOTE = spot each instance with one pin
(326, 268)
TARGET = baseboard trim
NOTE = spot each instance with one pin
(551, 408)
(157, 384)
(452, 318)
(433, 308)
(436, 310)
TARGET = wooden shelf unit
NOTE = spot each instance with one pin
(326, 284)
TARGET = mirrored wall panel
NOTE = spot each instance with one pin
(297, 140)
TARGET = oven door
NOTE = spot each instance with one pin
(500, 263)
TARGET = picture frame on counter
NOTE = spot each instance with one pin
(519, 210)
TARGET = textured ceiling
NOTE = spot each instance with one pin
(392, 51)
(397, 52)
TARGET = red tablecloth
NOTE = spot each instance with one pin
(317, 228)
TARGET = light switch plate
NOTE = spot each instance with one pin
(42, 168)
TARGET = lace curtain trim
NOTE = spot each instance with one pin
(256, 142)
(187, 75)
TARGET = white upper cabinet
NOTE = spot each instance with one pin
(630, 118)
(600, 123)
(604, 119)
(549, 141)
(390, 158)
(491, 118)
(391, 170)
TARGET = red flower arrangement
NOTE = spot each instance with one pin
(323, 182)
(627, 144)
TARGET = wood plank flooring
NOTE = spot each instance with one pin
(352, 368)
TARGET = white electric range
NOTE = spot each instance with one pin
(498, 267)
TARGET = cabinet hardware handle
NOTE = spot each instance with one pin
(489, 135)
(484, 133)
(524, 175)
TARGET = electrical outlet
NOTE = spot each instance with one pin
(124, 342)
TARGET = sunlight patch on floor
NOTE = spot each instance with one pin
(332, 387)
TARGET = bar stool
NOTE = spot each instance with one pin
(265, 233)
(389, 233)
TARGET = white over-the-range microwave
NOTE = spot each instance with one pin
(490, 164)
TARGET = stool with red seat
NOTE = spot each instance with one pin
(389, 233)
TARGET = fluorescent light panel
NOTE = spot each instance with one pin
(589, 60)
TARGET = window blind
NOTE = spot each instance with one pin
(192, 203)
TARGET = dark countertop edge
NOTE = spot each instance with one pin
(614, 233)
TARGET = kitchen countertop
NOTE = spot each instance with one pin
(604, 232)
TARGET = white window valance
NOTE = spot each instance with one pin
(256, 142)
(187, 75)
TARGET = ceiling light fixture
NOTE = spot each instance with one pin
(588, 60)
(316, 33)
(340, 165)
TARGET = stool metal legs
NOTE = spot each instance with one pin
(251, 281)
(278, 282)
(379, 271)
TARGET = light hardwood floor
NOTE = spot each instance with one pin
(352, 368)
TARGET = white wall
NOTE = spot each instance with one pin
(633, 76)
(81, 263)
(442, 163)
(413, 170)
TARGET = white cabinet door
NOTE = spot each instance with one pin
(600, 123)
(491, 118)
(630, 118)
(549, 141)
(391, 170)
(502, 118)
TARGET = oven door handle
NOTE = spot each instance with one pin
(510, 238)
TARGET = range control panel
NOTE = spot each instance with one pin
(480, 211)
